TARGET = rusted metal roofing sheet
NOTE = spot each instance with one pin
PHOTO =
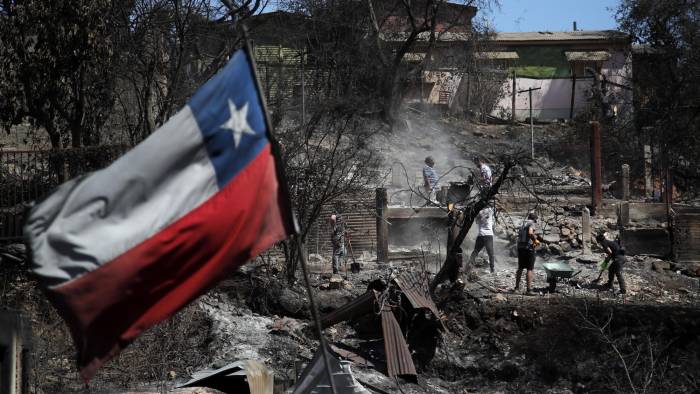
(398, 357)
(358, 307)
(358, 212)
(415, 288)
(352, 356)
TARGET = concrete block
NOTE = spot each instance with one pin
(686, 238)
(646, 241)
(660, 265)
(641, 212)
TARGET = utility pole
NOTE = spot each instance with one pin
(596, 169)
(512, 108)
(532, 125)
(303, 93)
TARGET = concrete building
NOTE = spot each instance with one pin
(565, 66)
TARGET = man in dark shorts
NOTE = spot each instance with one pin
(613, 252)
(527, 242)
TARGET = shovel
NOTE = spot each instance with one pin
(602, 266)
(354, 266)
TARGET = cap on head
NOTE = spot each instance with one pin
(532, 216)
(429, 161)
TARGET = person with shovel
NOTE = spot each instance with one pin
(337, 240)
(614, 261)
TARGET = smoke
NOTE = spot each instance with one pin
(415, 137)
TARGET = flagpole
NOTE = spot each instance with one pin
(282, 179)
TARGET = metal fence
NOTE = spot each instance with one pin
(29, 175)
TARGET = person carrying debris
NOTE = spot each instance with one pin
(485, 237)
(527, 242)
(337, 240)
(485, 170)
(430, 178)
(613, 252)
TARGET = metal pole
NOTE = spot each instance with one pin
(381, 206)
(303, 93)
(573, 96)
(532, 127)
(532, 124)
(291, 223)
(596, 168)
(512, 105)
(314, 312)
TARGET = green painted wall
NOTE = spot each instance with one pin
(541, 62)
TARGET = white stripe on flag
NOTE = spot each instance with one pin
(89, 221)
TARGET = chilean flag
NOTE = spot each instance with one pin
(126, 247)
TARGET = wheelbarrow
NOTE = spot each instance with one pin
(555, 271)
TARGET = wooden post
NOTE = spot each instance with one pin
(398, 175)
(443, 191)
(596, 170)
(586, 231)
(573, 95)
(469, 93)
(382, 225)
(625, 182)
(532, 124)
(515, 91)
(648, 184)
(532, 127)
(668, 183)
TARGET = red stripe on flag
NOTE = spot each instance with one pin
(109, 307)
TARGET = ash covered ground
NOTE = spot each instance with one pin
(579, 339)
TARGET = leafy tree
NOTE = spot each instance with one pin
(667, 77)
(56, 67)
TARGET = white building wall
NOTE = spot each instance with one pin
(553, 100)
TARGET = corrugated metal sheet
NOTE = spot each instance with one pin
(581, 35)
(352, 356)
(398, 357)
(415, 288)
(358, 212)
(358, 307)
(686, 237)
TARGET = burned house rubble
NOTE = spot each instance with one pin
(386, 330)
(312, 197)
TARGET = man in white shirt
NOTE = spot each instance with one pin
(485, 237)
(430, 178)
(486, 176)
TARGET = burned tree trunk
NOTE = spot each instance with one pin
(451, 266)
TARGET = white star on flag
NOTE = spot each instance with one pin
(238, 122)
